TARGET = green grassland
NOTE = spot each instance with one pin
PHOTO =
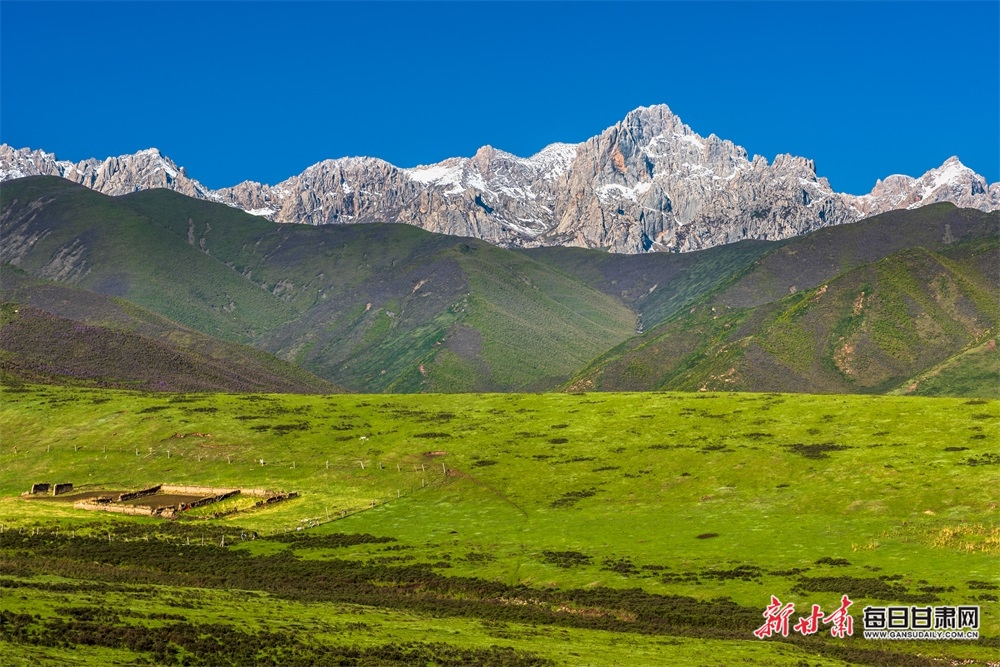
(644, 528)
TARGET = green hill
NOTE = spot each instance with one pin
(57, 334)
(657, 285)
(394, 308)
(60, 231)
(972, 372)
(391, 308)
(859, 308)
(370, 307)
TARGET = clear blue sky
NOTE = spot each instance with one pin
(259, 91)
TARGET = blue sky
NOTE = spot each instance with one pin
(259, 91)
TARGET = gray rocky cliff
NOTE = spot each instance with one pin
(646, 184)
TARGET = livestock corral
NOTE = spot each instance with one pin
(167, 500)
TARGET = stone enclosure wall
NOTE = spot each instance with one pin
(137, 510)
(139, 494)
(209, 495)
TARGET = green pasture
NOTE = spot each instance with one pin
(709, 496)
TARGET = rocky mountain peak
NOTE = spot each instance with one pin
(646, 183)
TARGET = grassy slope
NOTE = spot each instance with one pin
(402, 300)
(393, 308)
(866, 330)
(62, 334)
(972, 372)
(627, 481)
(808, 261)
(657, 285)
(96, 356)
(372, 307)
(90, 240)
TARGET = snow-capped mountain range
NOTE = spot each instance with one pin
(648, 183)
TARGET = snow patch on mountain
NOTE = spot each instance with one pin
(647, 183)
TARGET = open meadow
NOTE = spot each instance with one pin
(599, 529)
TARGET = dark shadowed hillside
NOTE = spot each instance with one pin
(52, 333)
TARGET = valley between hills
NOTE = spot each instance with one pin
(859, 308)
(499, 456)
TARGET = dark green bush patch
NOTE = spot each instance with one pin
(623, 566)
(834, 562)
(936, 589)
(706, 536)
(742, 573)
(987, 459)
(788, 573)
(815, 451)
(863, 587)
(578, 459)
(480, 557)
(566, 559)
(570, 498)
(217, 644)
(331, 541)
